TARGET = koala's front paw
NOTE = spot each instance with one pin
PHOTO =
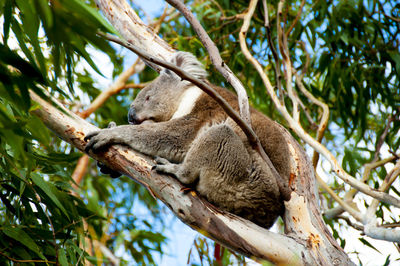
(99, 140)
(165, 166)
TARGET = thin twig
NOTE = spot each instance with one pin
(368, 167)
(387, 182)
(353, 212)
(381, 139)
(307, 63)
(349, 222)
(391, 225)
(284, 50)
(296, 19)
(26, 261)
(278, 75)
(135, 85)
(325, 114)
(352, 192)
(313, 125)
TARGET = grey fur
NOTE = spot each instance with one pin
(204, 148)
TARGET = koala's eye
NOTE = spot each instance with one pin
(147, 98)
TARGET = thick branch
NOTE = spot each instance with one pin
(132, 29)
(232, 231)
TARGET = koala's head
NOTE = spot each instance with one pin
(159, 100)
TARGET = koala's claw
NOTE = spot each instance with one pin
(91, 135)
(97, 141)
(165, 166)
(160, 160)
(111, 124)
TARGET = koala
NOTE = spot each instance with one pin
(192, 138)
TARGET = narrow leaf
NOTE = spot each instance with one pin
(96, 15)
(19, 235)
(365, 242)
(38, 180)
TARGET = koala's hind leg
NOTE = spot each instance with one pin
(216, 159)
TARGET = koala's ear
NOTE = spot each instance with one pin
(189, 63)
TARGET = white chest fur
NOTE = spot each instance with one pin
(187, 101)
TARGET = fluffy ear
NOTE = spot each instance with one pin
(189, 63)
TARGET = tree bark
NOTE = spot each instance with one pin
(307, 240)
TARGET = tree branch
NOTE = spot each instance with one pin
(278, 75)
(357, 215)
(132, 29)
(283, 48)
(228, 229)
(324, 118)
(368, 167)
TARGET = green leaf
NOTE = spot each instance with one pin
(38, 180)
(95, 14)
(365, 242)
(80, 49)
(27, 68)
(30, 24)
(8, 7)
(45, 10)
(19, 235)
(30, 21)
(62, 257)
(22, 39)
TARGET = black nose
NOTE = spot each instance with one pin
(132, 119)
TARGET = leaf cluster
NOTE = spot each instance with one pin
(49, 46)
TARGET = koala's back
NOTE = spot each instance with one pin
(231, 174)
(270, 133)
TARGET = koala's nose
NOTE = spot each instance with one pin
(132, 118)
